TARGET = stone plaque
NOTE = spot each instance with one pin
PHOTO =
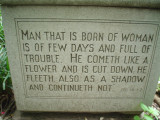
(82, 59)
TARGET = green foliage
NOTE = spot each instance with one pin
(5, 79)
(147, 117)
(158, 85)
(150, 113)
(137, 118)
(144, 107)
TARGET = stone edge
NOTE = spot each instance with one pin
(155, 4)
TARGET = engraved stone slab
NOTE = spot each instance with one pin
(82, 59)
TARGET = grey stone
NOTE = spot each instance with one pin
(82, 59)
(110, 3)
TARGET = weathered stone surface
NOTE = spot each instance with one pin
(82, 59)
(110, 3)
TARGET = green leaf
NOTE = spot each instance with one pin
(4, 81)
(137, 118)
(5, 78)
(153, 111)
(144, 107)
(147, 117)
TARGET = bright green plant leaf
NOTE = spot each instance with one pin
(137, 118)
(144, 107)
(147, 117)
(156, 118)
(153, 111)
(4, 82)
